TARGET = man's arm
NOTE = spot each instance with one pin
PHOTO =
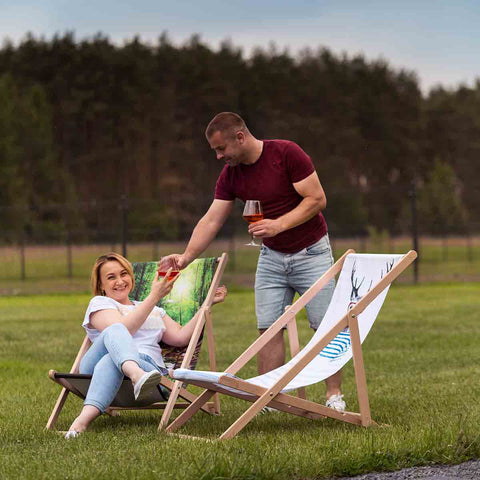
(314, 201)
(207, 228)
(203, 234)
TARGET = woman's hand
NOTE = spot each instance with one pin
(220, 295)
(161, 286)
(178, 336)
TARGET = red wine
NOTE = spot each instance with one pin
(256, 217)
(172, 275)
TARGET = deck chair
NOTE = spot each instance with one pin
(359, 294)
(193, 293)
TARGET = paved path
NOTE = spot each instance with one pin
(464, 471)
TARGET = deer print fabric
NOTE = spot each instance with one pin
(360, 273)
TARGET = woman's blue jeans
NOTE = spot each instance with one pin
(104, 360)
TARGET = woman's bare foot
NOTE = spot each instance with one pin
(81, 423)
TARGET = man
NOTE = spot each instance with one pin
(296, 249)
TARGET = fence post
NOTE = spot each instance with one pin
(124, 223)
(23, 275)
(469, 247)
(414, 226)
(155, 245)
(69, 254)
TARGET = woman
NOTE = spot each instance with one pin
(125, 336)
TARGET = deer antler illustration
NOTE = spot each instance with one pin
(354, 296)
(389, 266)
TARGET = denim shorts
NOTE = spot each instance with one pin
(280, 275)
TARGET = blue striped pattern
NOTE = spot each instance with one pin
(338, 346)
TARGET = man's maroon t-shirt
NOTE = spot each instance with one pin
(270, 179)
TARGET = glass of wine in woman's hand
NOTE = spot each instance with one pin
(253, 213)
(171, 276)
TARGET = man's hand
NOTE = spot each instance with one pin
(265, 228)
(174, 261)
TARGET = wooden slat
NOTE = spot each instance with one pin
(185, 364)
(203, 314)
(286, 402)
(240, 423)
(211, 355)
(190, 411)
(295, 347)
(359, 369)
(52, 420)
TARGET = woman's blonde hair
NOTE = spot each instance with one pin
(95, 278)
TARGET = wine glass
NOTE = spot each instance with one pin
(253, 213)
(173, 274)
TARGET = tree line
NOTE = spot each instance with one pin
(86, 123)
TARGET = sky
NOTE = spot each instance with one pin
(439, 40)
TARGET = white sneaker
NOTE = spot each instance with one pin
(146, 384)
(265, 410)
(336, 402)
(72, 434)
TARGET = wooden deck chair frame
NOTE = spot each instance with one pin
(300, 406)
(204, 325)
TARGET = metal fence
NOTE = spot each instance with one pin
(60, 242)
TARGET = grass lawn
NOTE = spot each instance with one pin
(422, 362)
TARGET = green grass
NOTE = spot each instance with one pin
(422, 363)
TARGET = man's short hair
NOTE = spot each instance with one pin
(226, 122)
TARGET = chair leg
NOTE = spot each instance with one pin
(64, 393)
(170, 405)
(242, 421)
(359, 368)
(211, 356)
(57, 409)
(294, 346)
(190, 411)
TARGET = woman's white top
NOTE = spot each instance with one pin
(146, 338)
